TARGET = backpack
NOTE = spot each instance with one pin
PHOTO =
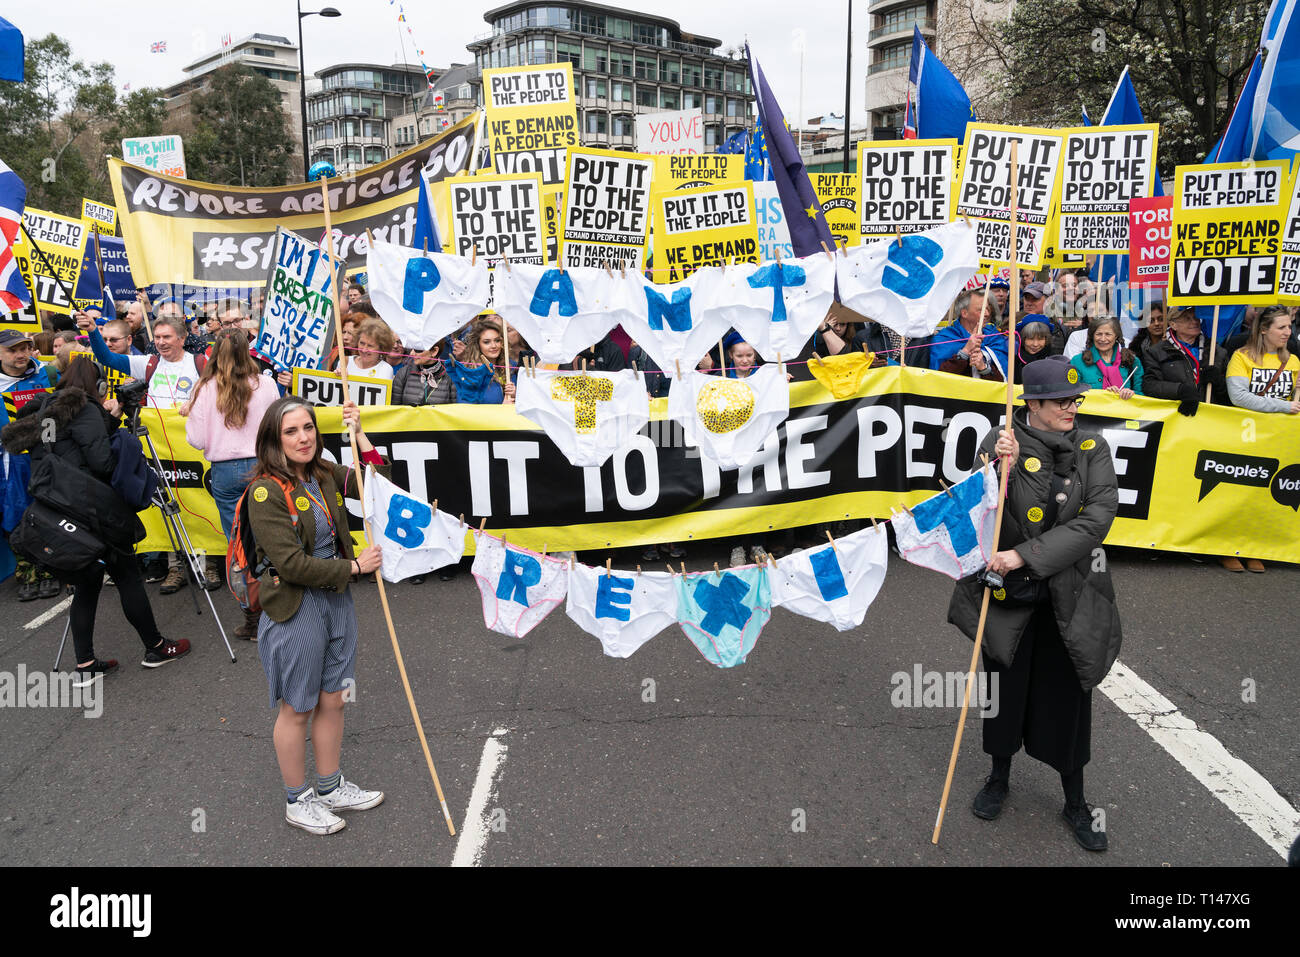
(242, 568)
(56, 540)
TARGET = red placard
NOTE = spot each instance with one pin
(1149, 221)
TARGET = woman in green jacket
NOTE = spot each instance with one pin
(1106, 364)
(307, 636)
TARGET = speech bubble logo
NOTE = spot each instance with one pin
(1286, 487)
(1215, 467)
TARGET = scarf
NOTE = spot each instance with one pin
(1110, 374)
(1186, 350)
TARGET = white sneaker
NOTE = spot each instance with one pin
(310, 814)
(348, 797)
(757, 556)
(737, 556)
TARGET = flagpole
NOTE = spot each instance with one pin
(997, 522)
(848, 82)
(72, 300)
(356, 465)
(1214, 338)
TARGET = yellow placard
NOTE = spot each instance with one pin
(100, 217)
(838, 194)
(496, 216)
(1103, 168)
(1288, 269)
(607, 208)
(905, 186)
(1227, 233)
(320, 387)
(532, 119)
(114, 377)
(49, 255)
(690, 171)
(703, 227)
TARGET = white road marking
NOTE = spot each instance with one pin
(1234, 782)
(474, 832)
(53, 612)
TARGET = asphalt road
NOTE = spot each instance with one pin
(721, 767)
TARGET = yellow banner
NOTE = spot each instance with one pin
(1226, 482)
(838, 194)
(532, 120)
(50, 267)
(703, 227)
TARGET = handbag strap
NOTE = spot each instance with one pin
(1280, 367)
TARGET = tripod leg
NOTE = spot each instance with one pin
(62, 641)
(217, 618)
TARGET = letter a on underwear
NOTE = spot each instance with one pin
(424, 297)
(776, 307)
(561, 313)
(588, 415)
(518, 587)
(723, 614)
(842, 374)
(676, 323)
(909, 286)
(622, 609)
(833, 583)
(730, 419)
(953, 533)
(414, 538)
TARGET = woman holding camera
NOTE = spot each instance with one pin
(1052, 630)
(82, 431)
(307, 637)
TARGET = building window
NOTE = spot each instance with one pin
(618, 28)
(888, 58)
(597, 121)
(691, 74)
(692, 101)
(669, 99)
(712, 78)
(712, 103)
(735, 109)
(646, 68)
(621, 91)
(624, 124)
(595, 87)
(620, 64)
(591, 22)
(647, 96)
(670, 69)
(570, 52)
(649, 34)
(735, 82)
(900, 19)
(595, 57)
(713, 135)
(542, 51)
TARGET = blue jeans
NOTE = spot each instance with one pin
(229, 479)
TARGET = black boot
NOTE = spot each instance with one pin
(1087, 829)
(988, 803)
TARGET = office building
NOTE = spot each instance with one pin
(352, 108)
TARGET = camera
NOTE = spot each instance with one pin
(131, 396)
(990, 578)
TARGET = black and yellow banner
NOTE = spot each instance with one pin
(1226, 482)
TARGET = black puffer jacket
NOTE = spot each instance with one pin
(1166, 369)
(1068, 555)
(413, 385)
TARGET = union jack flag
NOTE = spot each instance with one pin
(159, 47)
(13, 196)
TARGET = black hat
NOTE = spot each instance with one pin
(11, 337)
(1051, 377)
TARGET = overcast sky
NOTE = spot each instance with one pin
(123, 33)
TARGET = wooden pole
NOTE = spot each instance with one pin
(997, 522)
(356, 465)
(1101, 268)
(1214, 338)
(505, 354)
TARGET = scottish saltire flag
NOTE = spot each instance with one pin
(952, 532)
(1275, 113)
(11, 52)
(1234, 145)
(941, 105)
(13, 196)
(803, 212)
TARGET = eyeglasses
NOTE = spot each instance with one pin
(1066, 404)
(115, 338)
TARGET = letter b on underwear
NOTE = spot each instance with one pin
(911, 276)
(830, 578)
(407, 519)
(611, 593)
(517, 573)
(421, 276)
(554, 287)
(678, 312)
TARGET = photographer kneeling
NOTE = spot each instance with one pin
(68, 434)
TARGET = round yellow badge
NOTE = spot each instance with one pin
(1072, 376)
(1035, 514)
(1088, 444)
(338, 496)
(724, 405)
(1000, 594)
(301, 503)
(259, 494)
(1032, 464)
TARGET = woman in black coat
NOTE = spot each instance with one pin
(1052, 630)
(82, 439)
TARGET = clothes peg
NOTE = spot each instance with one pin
(716, 570)
(622, 269)
(482, 525)
(678, 363)
(506, 260)
(473, 255)
(946, 489)
(462, 519)
(435, 505)
(608, 562)
(683, 568)
(984, 457)
(584, 366)
(844, 247)
(778, 255)
(832, 541)
(559, 263)
(608, 272)
(671, 570)
(826, 249)
(543, 549)
(898, 234)
(638, 569)
(873, 524)
(570, 563)
(780, 363)
(426, 247)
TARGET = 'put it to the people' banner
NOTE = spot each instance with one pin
(532, 119)
(838, 195)
(904, 186)
(1103, 168)
(1288, 270)
(498, 218)
(1227, 223)
(984, 193)
(703, 227)
(607, 208)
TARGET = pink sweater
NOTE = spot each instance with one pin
(206, 430)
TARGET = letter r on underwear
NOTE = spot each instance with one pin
(678, 312)
(517, 573)
(554, 287)
(407, 518)
(829, 575)
(611, 592)
(421, 277)
(723, 604)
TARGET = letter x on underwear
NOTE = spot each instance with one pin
(724, 613)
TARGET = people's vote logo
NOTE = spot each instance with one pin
(909, 272)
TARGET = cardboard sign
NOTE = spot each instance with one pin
(298, 318)
(1103, 168)
(1288, 270)
(838, 195)
(1227, 224)
(51, 276)
(1149, 233)
(326, 388)
(494, 217)
(607, 208)
(773, 230)
(671, 133)
(18, 398)
(905, 186)
(532, 119)
(100, 217)
(162, 154)
(694, 172)
(984, 193)
(703, 227)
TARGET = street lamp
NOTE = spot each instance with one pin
(302, 77)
